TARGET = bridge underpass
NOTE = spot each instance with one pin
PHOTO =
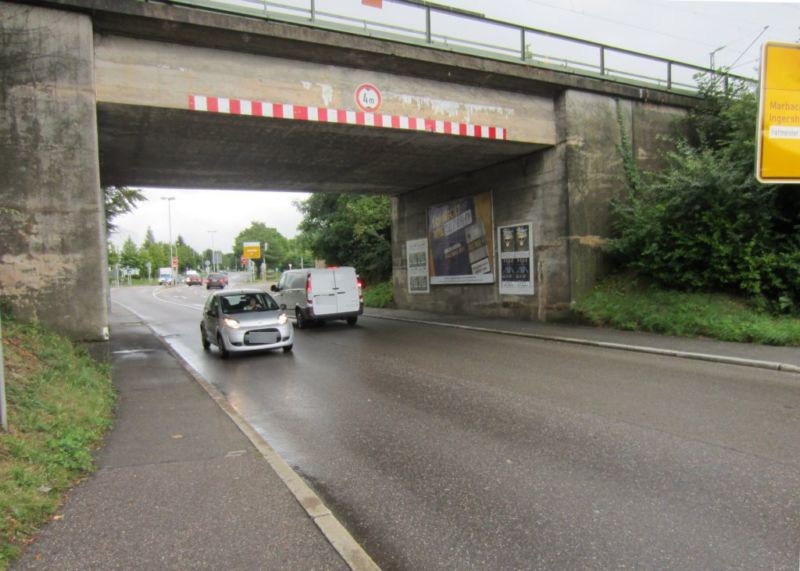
(167, 101)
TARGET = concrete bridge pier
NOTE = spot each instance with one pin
(564, 191)
(53, 257)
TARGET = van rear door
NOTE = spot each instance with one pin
(323, 294)
(346, 290)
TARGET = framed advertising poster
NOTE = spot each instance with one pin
(516, 259)
(417, 255)
(461, 239)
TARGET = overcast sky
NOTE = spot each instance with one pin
(683, 30)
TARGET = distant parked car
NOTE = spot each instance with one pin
(216, 280)
(242, 320)
(193, 278)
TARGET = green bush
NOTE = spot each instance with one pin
(624, 302)
(379, 295)
(705, 223)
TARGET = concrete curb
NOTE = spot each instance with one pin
(770, 365)
(337, 535)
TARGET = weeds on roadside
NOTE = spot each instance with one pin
(59, 405)
(379, 295)
(625, 303)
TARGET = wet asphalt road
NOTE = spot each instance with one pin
(449, 449)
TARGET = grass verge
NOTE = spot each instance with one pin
(379, 295)
(60, 403)
(623, 303)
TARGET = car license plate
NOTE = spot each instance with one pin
(261, 337)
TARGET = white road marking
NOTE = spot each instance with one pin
(191, 305)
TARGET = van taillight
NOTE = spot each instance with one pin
(308, 290)
(360, 286)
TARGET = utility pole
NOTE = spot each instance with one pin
(712, 54)
(169, 200)
(214, 266)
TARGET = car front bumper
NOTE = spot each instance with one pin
(258, 338)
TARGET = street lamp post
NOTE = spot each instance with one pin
(214, 267)
(169, 200)
(712, 54)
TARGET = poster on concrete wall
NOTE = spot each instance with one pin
(417, 254)
(516, 259)
(461, 239)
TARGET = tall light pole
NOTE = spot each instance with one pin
(712, 54)
(214, 267)
(169, 200)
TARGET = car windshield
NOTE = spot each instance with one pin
(247, 302)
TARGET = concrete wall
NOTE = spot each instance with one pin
(592, 127)
(530, 189)
(52, 234)
(160, 74)
(565, 191)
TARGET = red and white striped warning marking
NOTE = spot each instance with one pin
(343, 116)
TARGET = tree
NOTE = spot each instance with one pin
(298, 253)
(129, 255)
(277, 244)
(113, 255)
(348, 229)
(149, 238)
(157, 253)
(119, 200)
(188, 258)
(705, 223)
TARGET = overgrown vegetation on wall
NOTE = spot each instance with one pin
(705, 223)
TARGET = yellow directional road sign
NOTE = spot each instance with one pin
(778, 159)
(251, 250)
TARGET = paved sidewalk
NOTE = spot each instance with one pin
(179, 486)
(763, 356)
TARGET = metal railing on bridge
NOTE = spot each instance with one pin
(444, 27)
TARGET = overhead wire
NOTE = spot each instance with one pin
(620, 22)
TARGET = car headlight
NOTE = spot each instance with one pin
(282, 319)
(232, 323)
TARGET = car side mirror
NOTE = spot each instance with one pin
(273, 287)
(283, 306)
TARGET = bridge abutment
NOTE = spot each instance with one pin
(53, 257)
(564, 192)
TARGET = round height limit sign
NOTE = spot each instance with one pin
(368, 97)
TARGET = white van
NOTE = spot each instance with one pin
(321, 294)
(165, 276)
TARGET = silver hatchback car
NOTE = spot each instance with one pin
(244, 320)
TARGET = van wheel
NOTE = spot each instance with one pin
(223, 352)
(302, 322)
(352, 320)
(204, 339)
(287, 349)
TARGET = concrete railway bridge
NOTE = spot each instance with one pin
(124, 92)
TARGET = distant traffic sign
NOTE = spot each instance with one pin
(174, 262)
(251, 250)
(778, 158)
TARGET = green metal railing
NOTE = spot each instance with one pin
(444, 27)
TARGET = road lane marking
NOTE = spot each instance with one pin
(161, 299)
